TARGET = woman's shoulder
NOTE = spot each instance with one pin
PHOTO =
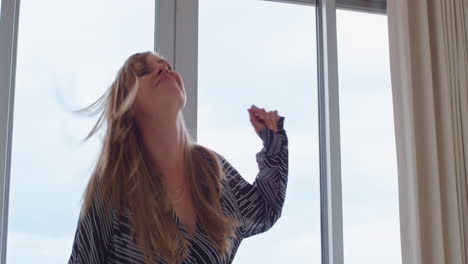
(207, 153)
(202, 150)
(213, 158)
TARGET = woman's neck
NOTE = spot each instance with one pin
(164, 139)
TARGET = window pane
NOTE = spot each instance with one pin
(371, 228)
(68, 54)
(249, 56)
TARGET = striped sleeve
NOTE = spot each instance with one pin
(261, 203)
(93, 234)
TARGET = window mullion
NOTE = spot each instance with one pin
(176, 38)
(329, 134)
(8, 47)
(186, 57)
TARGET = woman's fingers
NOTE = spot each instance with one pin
(260, 112)
(276, 118)
(256, 122)
(269, 119)
(275, 113)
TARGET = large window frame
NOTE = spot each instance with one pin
(176, 37)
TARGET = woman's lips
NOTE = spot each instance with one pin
(167, 77)
(163, 78)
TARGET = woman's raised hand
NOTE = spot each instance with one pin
(261, 118)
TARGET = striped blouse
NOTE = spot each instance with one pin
(258, 206)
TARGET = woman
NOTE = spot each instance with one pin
(155, 196)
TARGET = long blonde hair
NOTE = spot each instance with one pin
(124, 176)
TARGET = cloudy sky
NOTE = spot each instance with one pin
(250, 52)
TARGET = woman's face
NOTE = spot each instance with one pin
(161, 90)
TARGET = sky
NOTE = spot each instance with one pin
(250, 52)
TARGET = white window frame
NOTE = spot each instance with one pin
(8, 45)
(176, 38)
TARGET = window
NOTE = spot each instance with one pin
(269, 62)
(371, 228)
(256, 52)
(68, 55)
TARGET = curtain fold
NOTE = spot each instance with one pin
(429, 73)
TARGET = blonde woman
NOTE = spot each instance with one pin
(155, 196)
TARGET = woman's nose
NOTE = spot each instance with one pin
(164, 69)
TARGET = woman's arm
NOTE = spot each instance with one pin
(93, 234)
(261, 203)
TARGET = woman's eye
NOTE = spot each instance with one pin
(142, 73)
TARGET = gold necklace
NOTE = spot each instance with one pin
(178, 191)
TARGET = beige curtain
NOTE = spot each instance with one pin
(429, 69)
